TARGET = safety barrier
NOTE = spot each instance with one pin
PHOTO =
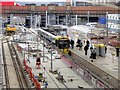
(29, 71)
(33, 79)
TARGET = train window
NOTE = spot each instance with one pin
(34, 55)
(63, 44)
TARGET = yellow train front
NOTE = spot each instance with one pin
(63, 43)
(10, 30)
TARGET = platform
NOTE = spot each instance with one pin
(59, 65)
(107, 63)
(1, 66)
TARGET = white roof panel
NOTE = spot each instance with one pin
(81, 28)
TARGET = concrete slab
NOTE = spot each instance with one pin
(64, 70)
(106, 63)
(59, 65)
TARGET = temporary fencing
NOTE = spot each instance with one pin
(33, 79)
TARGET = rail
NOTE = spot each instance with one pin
(5, 68)
(23, 82)
(21, 77)
(90, 68)
(54, 80)
(95, 71)
(27, 84)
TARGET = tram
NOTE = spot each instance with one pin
(60, 40)
(10, 30)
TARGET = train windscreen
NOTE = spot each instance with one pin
(63, 44)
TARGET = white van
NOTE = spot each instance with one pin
(92, 24)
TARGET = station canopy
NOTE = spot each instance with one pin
(87, 29)
(81, 28)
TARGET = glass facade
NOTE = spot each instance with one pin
(113, 22)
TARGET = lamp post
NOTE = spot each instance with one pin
(43, 50)
(57, 19)
(37, 48)
(44, 73)
(88, 16)
(39, 21)
(91, 37)
(1, 75)
(31, 20)
(106, 28)
(76, 17)
(1, 30)
(66, 20)
(28, 52)
(51, 60)
(46, 15)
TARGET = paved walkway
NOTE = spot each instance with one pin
(1, 67)
(64, 70)
(106, 63)
(59, 65)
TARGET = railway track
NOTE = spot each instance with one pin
(14, 72)
(48, 42)
(5, 68)
(65, 86)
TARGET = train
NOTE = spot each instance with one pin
(60, 40)
(10, 30)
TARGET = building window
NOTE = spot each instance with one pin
(113, 26)
(113, 17)
(110, 25)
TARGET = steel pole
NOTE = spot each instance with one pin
(106, 28)
(91, 37)
(31, 20)
(88, 16)
(44, 72)
(35, 21)
(28, 51)
(58, 19)
(51, 60)
(1, 22)
(76, 19)
(11, 19)
(43, 51)
(39, 17)
(46, 19)
(37, 48)
(66, 20)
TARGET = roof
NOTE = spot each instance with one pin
(81, 28)
(9, 3)
(62, 26)
(24, 46)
